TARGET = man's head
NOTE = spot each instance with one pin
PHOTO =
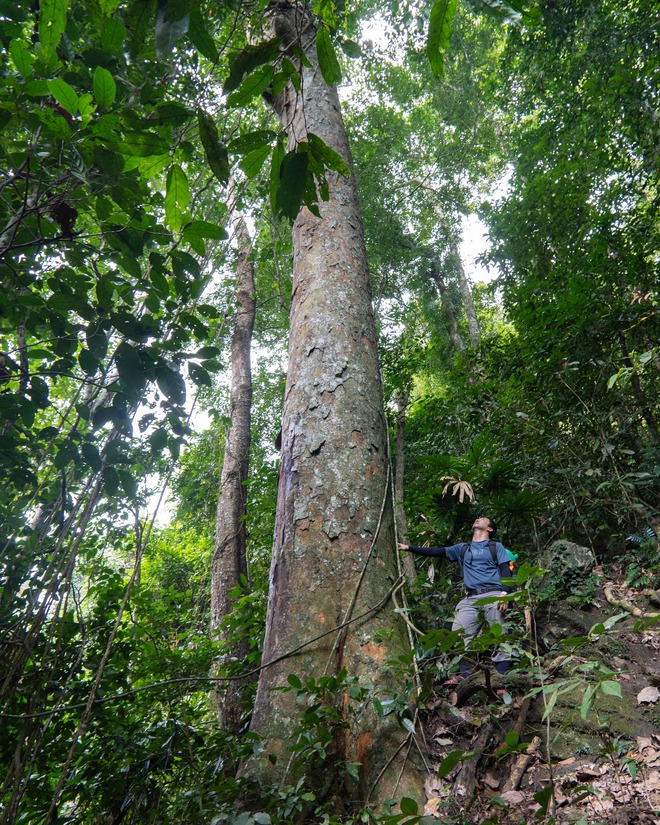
(487, 524)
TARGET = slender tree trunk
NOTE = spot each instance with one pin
(447, 308)
(229, 560)
(474, 332)
(333, 555)
(402, 523)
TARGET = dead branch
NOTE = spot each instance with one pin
(521, 764)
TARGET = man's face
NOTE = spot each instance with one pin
(482, 523)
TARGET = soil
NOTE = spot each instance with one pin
(522, 764)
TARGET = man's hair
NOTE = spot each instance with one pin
(493, 527)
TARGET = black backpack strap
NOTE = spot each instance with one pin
(493, 551)
(492, 546)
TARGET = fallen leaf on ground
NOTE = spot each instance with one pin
(648, 696)
(512, 797)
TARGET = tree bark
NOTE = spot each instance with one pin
(399, 510)
(334, 555)
(447, 308)
(474, 333)
(229, 560)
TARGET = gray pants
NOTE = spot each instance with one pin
(470, 618)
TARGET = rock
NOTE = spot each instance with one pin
(570, 557)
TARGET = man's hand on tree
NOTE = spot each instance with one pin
(403, 546)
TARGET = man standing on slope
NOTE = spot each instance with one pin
(484, 562)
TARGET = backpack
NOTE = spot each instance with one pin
(493, 553)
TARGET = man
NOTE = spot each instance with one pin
(482, 571)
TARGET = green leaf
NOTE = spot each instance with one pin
(200, 38)
(199, 375)
(171, 384)
(108, 7)
(449, 762)
(105, 88)
(327, 156)
(253, 85)
(252, 163)
(22, 58)
(408, 806)
(328, 62)
(352, 769)
(587, 700)
(88, 362)
(177, 198)
(204, 229)
(52, 22)
(408, 725)
(248, 60)
(130, 369)
(275, 166)
(216, 153)
(91, 455)
(292, 184)
(351, 48)
(251, 141)
(611, 688)
(442, 15)
(113, 35)
(294, 681)
(64, 94)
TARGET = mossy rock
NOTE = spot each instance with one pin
(610, 717)
(568, 565)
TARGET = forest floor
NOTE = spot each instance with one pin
(520, 764)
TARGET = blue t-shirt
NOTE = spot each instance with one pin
(478, 568)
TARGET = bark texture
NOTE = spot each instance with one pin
(333, 555)
(407, 560)
(229, 560)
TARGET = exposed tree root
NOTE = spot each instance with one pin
(626, 605)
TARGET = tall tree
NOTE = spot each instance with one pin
(229, 567)
(334, 538)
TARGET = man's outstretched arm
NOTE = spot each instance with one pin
(438, 552)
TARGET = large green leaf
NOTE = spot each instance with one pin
(52, 22)
(252, 163)
(248, 60)
(200, 38)
(442, 15)
(22, 58)
(328, 63)
(253, 85)
(216, 153)
(177, 198)
(293, 183)
(64, 94)
(105, 88)
(327, 156)
(171, 384)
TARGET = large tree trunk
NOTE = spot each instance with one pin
(229, 560)
(333, 555)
